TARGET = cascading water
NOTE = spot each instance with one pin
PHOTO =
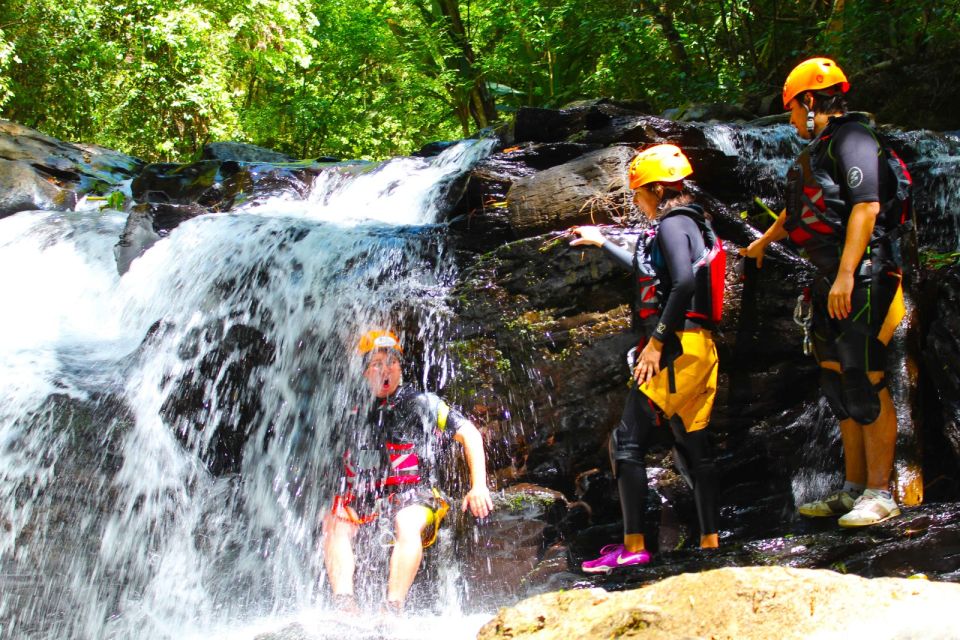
(169, 438)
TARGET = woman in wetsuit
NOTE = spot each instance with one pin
(679, 293)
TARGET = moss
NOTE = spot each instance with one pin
(933, 260)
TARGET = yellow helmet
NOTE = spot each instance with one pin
(660, 163)
(813, 74)
(377, 339)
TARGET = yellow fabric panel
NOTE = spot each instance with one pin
(695, 375)
(895, 315)
(443, 410)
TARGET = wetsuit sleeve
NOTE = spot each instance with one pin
(448, 419)
(857, 156)
(675, 238)
(455, 421)
(620, 255)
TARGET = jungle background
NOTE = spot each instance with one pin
(372, 78)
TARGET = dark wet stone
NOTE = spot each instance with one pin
(242, 152)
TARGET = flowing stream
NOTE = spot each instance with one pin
(168, 439)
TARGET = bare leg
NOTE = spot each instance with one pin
(407, 551)
(338, 555)
(880, 439)
(851, 434)
(854, 455)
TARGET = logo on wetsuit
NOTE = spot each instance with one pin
(854, 177)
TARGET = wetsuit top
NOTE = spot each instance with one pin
(843, 166)
(397, 445)
(677, 244)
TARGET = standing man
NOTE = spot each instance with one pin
(847, 203)
(389, 473)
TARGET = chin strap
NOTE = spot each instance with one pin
(810, 122)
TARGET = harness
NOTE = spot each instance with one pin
(709, 269)
(393, 456)
(817, 213)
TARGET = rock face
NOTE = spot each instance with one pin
(542, 329)
(40, 172)
(742, 604)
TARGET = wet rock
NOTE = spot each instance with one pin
(942, 349)
(434, 148)
(755, 602)
(233, 358)
(548, 125)
(222, 185)
(242, 152)
(511, 542)
(146, 224)
(712, 111)
(25, 188)
(62, 172)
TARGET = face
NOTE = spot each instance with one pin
(383, 372)
(646, 200)
(798, 118)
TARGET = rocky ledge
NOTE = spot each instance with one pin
(741, 603)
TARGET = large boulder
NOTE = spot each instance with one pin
(744, 603)
(24, 188)
(40, 172)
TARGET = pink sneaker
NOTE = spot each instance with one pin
(614, 556)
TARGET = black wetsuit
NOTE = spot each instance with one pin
(846, 163)
(675, 248)
(394, 452)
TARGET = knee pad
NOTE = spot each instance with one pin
(832, 390)
(860, 396)
(622, 450)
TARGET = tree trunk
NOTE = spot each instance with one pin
(663, 17)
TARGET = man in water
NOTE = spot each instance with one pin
(389, 473)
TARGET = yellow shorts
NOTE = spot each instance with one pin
(687, 386)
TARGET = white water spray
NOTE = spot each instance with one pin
(168, 440)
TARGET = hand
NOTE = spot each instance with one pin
(838, 300)
(755, 250)
(648, 364)
(479, 502)
(589, 235)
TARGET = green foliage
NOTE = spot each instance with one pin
(7, 57)
(372, 78)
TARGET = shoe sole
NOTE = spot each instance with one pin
(850, 525)
(597, 569)
(808, 514)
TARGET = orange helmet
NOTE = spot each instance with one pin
(377, 339)
(813, 74)
(660, 163)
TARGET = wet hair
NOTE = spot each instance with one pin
(830, 100)
(675, 194)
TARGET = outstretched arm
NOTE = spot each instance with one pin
(478, 499)
(774, 233)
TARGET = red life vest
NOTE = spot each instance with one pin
(709, 269)
(816, 211)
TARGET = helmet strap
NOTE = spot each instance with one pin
(810, 115)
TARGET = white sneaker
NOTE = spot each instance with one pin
(870, 508)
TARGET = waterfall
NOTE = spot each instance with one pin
(169, 438)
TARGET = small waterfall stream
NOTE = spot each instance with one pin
(169, 438)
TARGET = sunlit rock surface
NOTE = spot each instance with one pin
(742, 604)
